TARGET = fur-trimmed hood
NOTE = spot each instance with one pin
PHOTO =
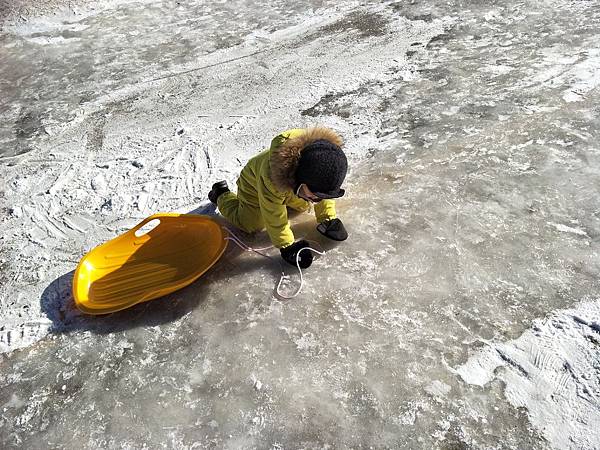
(284, 159)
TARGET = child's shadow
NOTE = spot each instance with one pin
(58, 304)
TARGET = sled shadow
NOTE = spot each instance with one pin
(59, 306)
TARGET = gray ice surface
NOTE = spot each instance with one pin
(479, 214)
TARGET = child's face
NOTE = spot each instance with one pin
(305, 193)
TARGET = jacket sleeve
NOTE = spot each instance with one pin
(274, 213)
(325, 210)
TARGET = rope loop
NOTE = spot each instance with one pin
(235, 239)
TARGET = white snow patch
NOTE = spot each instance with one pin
(552, 371)
(66, 17)
(51, 40)
(307, 341)
(497, 69)
(567, 229)
(571, 96)
(437, 388)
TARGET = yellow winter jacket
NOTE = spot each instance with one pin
(267, 182)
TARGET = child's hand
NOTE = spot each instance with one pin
(289, 254)
(333, 229)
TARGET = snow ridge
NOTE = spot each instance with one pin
(552, 370)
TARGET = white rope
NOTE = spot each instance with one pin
(234, 238)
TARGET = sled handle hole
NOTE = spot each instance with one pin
(147, 227)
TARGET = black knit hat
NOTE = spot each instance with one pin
(322, 167)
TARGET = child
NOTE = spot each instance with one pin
(301, 166)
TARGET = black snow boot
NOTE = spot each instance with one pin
(217, 189)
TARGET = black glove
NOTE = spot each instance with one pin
(289, 254)
(333, 229)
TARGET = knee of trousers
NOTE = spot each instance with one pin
(252, 226)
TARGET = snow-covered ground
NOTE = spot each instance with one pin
(464, 310)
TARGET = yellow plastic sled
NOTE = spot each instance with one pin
(134, 267)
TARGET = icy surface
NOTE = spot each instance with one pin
(461, 313)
